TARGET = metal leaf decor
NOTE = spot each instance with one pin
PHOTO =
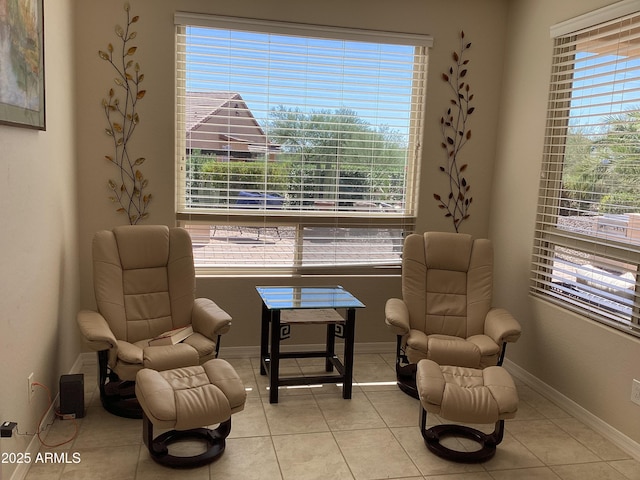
(128, 191)
(455, 135)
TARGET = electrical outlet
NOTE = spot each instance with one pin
(31, 390)
(635, 391)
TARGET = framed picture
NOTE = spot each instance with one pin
(22, 101)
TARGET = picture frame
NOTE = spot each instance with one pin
(22, 87)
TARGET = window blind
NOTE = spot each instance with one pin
(299, 138)
(587, 241)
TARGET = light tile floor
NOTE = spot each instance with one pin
(312, 433)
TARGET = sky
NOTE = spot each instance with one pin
(603, 85)
(269, 70)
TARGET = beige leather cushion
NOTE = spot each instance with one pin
(190, 397)
(166, 357)
(465, 394)
(144, 279)
(135, 356)
(442, 349)
(447, 282)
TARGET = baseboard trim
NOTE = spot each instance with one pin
(616, 437)
(86, 358)
(34, 445)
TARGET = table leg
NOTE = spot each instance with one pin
(264, 339)
(331, 346)
(274, 368)
(349, 338)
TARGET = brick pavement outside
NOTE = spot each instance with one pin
(276, 247)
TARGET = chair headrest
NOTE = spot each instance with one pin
(448, 251)
(142, 246)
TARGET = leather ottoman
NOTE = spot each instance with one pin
(465, 395)
(185, 400)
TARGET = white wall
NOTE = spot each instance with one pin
(39, 261)
(590, 364)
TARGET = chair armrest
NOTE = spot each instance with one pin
(209, 319)
(397, 316)
(95, 331)
(501, 326)
(130, 353)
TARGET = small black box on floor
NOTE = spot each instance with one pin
(72, 395)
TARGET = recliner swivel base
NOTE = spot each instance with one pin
(406, 379)
(122, 405)
(215, 440)
(487, 441)
(118, 397)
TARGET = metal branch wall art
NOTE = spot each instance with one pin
(128, 190)
(455, 135)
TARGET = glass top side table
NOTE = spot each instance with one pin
(283, 298)
(286, 306)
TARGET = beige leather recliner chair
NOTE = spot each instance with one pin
(144, 284)
(446, 312)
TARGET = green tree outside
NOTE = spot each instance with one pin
(325, 155)
(602, 175)
(336, 155)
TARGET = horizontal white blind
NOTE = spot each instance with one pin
(276, 246)
(299, 131)
(587, 248)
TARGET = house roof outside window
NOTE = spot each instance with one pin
(222, 123)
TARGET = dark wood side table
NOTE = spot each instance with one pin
(283, 307)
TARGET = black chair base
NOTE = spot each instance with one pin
(159, 447)
(487, 441)
(405, 371)
(118, 397)
(406, 379)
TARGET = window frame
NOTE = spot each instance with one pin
(302, 219)
(549, 237)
